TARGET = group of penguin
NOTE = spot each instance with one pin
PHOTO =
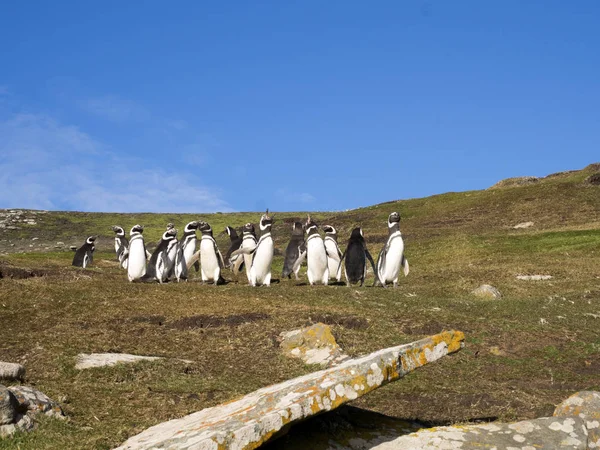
(172, 259)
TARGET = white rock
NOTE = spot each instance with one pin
(523, 225)
(88, 361)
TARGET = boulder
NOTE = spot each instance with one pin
(34, 402)
(8, 406)
(486, 291)
(313, 345)
(88, 361)
(586, 406)
(247, 423)
(11, 371)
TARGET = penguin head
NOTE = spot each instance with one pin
(90, 240)
(171, 233)
(118, 230)
(393, 218)
(357, 234)
(266, 222)
(170, 225)
(248, 228)
(328, 229)
(191, 226)
(205, 228)
(310, 226)
(297, 228)
(136, 229)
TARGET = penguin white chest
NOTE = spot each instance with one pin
(261, 263)
(316, 259)
(393, 258)
(189, 249)
(332, 263)
(208, 257)
(136, 265)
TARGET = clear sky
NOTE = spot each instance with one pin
(195, 106)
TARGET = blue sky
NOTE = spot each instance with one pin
(307, 105)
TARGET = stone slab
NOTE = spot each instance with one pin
(548, 433)
(586, 406)
(91, 360)
(247, 423)
(313, 345)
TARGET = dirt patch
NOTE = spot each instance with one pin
(594, 179)
(351, 322)
(153, 320)
(209, 321)
(19, 273)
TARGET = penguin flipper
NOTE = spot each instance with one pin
(243, 251)
(194, 261)
(299, 261)
(405, 266)
(237, 265)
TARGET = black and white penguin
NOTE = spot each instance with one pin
(293, 251)
(334, 254)
(356, 255)
(121, 245)
(246, 250)
(235, 243)
(159, 264)
(317, 269)
(136, 254)
(84, 255)
(211, 260)
(262, 254)
(185, 251)
(391, 257)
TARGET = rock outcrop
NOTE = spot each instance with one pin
(486, 291)
(20, 404)
(586, 406)
(252, 420)
(11, 371)
(313, 345)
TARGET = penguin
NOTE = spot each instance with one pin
(136, 254)
(185, 251)
(246, 250)
(293, 251)
(121, 245)
(317, 269)
(391, 257)
(334, 254)
(262, 254)
(236, 242)
(159, 264)
(211, 260)
(85, 254)
(356, 255)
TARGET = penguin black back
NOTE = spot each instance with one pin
(84, 255)
(293, 250)
(356, 255)
(235, 240)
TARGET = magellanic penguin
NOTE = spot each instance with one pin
(317, 269)
(211, 260)
(391, 257)
(293, 251)
(159, 264)
(136, 259)
(185, 251)
(121, 245)
(262, 254)
(246, 250)
(356, 255)
(236, 242)
(334, 254)
(85, 254)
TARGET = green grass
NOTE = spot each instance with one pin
(514, 366)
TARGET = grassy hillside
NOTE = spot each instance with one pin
(515, 365)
